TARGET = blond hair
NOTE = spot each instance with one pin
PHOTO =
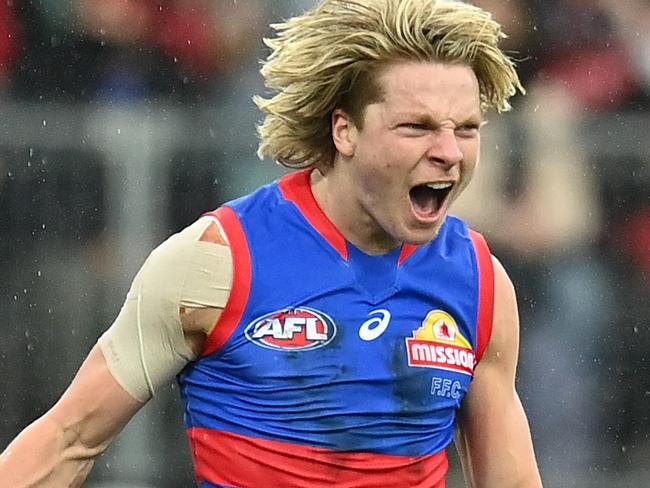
(328, 58)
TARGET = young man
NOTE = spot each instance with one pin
(335, 328)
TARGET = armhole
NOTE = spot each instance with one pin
(241, 281)
(485, 316)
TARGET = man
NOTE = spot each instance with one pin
(335, 328)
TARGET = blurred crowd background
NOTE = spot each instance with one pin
(121, 121)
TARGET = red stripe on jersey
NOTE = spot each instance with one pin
(236, 460)
(296, 188)
(241, 282)
(407, 250)
(486, 293)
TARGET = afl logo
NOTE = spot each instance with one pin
(292, 329)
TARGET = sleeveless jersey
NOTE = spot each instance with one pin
(330, 367)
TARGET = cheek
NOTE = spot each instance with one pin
(470, 164)
(378, 161)
(471, 154)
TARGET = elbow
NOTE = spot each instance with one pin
(46, 454)
(75, 442)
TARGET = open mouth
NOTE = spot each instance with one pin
(428, 199)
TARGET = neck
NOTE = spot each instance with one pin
(338, 203)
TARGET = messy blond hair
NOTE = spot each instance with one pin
(330, 56)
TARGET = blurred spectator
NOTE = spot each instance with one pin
(547, 205)
(129, 67)
(538, 204)
(209, 37)
(121, 50)
(632, 19)
(519, 22)
(584, 49)
(625, 193)
(9, 40)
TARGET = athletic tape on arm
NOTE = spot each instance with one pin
(145, 346)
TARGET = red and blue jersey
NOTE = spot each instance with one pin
(331, 367)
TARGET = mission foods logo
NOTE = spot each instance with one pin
(292, 329)
(439, 344)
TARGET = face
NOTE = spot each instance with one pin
(415, 154)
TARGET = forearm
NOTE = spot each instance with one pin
(58, 450)
(46, 455)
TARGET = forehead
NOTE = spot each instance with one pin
(439, 89)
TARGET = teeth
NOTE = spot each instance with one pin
(439, 186)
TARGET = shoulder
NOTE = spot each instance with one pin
(262, 197)
(503, 286)
(205, 229)
(505, 297)
(179, 249)
(504, 341)
(194, 269)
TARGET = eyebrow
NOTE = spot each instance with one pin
(423, 117)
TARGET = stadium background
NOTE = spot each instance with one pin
(122, 120)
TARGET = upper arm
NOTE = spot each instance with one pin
(198, 322)
(493, 438)
(174, 302)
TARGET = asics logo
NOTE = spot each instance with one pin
(376, 326)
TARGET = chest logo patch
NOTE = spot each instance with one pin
(292, 329)
(376, 326)
(438, 343)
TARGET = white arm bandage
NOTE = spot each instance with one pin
(145, 347)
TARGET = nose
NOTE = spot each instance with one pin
(444, 150)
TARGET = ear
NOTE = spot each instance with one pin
(344, 133)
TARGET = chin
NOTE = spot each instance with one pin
(421, 237)
(418, 231)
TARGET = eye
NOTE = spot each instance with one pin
(467, 130)
(412, 127)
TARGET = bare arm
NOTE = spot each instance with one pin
(58, 449)
(493, 437)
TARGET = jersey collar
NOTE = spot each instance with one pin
(296, 188)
